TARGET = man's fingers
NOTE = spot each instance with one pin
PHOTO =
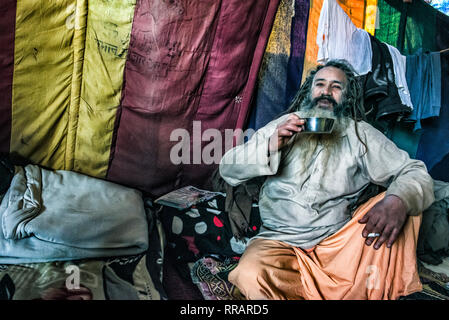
(370, 225)
(393, 237)
(366, 217)
(378, 229)
(288, 130)
(285, 133)
(291, 127)
(294, 119)
(384, 236)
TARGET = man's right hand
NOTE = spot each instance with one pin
(284, 131)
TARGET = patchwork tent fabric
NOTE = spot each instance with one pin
(98, 87)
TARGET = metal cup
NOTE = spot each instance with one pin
(318, 125)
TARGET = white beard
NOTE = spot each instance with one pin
(330, 142)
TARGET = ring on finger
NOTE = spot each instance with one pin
(373, 235)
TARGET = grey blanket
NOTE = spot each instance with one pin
(61, 215)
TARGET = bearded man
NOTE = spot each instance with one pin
(310, 245)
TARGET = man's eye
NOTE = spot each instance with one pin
(337, 87)
(319, 84)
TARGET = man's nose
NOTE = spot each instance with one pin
(326, 90)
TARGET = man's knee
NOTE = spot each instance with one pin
(249, 278)
(244, 273)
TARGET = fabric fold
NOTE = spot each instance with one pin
(24, 203)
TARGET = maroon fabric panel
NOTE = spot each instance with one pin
(187, 61)
(168, 55)
(7, 32)
(231, 78)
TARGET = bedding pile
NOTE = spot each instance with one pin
(62, 215)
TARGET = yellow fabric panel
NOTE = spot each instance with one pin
(371, 15)
(355, 9)
(78, 22)
(279, 40)
(107, 39)
(43, 67)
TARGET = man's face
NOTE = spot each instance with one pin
(328, 88)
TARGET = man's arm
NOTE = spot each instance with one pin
(260, 156)
(409, 187)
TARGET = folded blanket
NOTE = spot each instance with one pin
(62, 215)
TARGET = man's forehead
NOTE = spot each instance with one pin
(331, 74)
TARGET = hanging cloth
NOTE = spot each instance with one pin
(424, 78)
(339, 38)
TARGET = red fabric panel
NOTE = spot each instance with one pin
(187, 61)
(7, 32)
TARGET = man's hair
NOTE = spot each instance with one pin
(352, 102)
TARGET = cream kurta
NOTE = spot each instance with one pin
(302, 207)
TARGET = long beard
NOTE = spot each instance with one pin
(330, 142)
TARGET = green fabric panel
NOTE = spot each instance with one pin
(419, 29)
(389, 20)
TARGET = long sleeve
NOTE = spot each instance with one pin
(251, 159)
(387, 165)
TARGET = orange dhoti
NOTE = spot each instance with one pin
(342, 266)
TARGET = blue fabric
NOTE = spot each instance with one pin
(405, 138)
(298, 48)
(63, 215)
(434, 142)
(423, 73)
(270, 99)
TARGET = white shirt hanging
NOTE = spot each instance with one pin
(339, 38)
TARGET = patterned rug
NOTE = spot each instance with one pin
(210, 274)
